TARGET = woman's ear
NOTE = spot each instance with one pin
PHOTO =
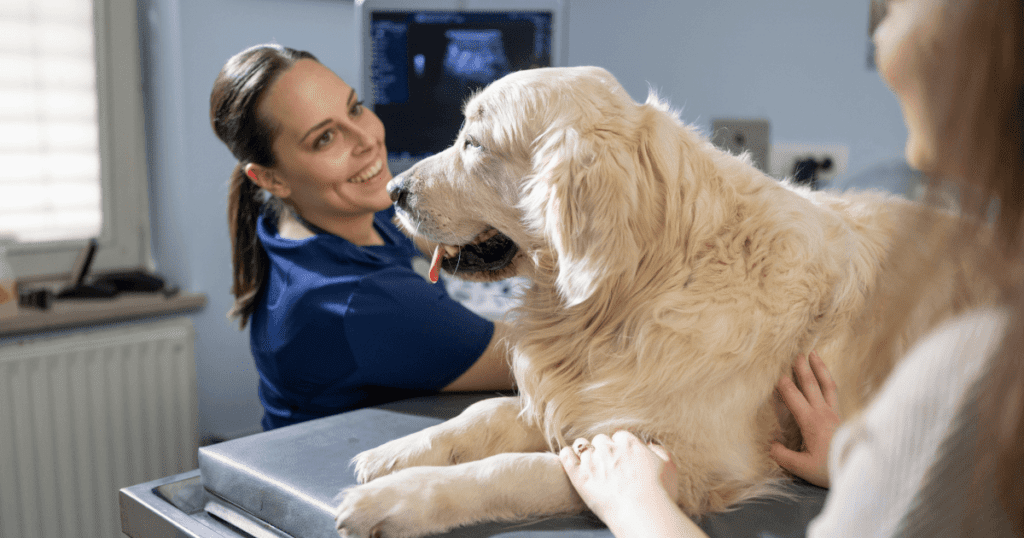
(267, 180)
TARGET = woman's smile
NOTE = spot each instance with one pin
(369, 172)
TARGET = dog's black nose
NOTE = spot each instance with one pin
(397, 191)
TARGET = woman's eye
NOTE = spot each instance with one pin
(357, 108)
(324, 139)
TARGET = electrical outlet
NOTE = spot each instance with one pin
(744, 135)
(785, 157)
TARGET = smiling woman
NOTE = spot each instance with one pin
(338, 317)
(330, 153)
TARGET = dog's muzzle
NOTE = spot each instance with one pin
(493, 252)
(398, 192)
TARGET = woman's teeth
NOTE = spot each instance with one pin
(368, 173)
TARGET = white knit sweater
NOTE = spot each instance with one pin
(903, 467)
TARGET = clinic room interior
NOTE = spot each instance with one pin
(802, 67)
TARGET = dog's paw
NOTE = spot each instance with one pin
(424, 448)
(396, 506)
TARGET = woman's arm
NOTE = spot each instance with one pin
(492, 371)
(656, 518)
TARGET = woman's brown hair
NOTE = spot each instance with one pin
(234, 115)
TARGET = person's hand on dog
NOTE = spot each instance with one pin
(815, 406)
(630, 485)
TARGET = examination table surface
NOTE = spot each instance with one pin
(282, 484)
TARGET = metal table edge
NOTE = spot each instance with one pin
(147, 514)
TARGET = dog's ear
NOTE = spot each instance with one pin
(592, 184)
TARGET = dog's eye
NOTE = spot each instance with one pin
(470, 143)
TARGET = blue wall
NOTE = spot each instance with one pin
(796, 62)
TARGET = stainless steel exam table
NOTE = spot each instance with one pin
(282, 484)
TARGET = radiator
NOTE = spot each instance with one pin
(84, 415)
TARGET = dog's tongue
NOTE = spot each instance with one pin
(435, 265)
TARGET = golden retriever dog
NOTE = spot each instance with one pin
(672, 285)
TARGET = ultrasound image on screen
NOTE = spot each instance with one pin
(424, 66)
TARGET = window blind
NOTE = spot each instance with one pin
(49, 132)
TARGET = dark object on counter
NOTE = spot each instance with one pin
(88, 291)
(129, 280)
(41, 299)
(109, 283)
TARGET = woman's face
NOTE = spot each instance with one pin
(910, 28)
(330, 153)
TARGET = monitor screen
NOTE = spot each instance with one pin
(423, 65)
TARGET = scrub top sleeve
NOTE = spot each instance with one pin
(407, 333)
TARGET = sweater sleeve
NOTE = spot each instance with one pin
(879, 461)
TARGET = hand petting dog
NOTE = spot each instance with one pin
(632, 486)
(815, 406)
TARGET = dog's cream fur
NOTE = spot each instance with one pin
(672, 285)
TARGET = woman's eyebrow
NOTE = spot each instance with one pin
(315, 127)
(351, 96)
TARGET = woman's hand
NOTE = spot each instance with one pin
(608, 472)
(630, 485)
(815, 406)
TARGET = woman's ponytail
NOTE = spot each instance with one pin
(235, 118)
(248, 258)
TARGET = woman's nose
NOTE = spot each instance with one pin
(363, 138)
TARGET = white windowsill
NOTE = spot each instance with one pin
(65, 314)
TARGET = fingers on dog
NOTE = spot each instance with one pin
(786, 458)
(581, 445)
(568, 457)
(602, 442)
(661, 452)
(624, 437)
(807, 380)
(825, 381)
(794, 399)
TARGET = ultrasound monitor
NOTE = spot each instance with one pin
(421, 59)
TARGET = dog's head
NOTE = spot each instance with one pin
(547, 174)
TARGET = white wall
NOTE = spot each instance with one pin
(797, 62)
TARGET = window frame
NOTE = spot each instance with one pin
(124, 239)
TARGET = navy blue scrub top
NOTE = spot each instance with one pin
(340, 326)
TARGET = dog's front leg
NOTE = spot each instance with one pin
(487, 427)
(428, 500)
